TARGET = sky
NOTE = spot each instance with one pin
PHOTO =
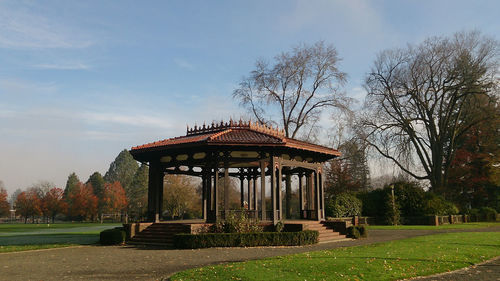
(82, 80)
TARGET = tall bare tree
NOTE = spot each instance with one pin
(292, 91)
(422, 99)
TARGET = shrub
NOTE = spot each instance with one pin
(410, 198)
(234, 223)
(474, 215)
(437, 206)
(363, 231)
(279, 226)
(357, 232)
(372, 202)
(208, 240)
(343, 205)
(113, 236)
(353, 232)
(487, 214)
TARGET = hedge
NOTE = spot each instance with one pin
(113, 236)
(357, 232)
(207, 240)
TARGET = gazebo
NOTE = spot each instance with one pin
(257, 155)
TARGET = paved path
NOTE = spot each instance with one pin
(132, 263)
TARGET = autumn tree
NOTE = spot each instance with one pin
(350, 172)
(180, 196)
(83, 202)
(4, 203)
(28, 205)
(114, 198)
(473, 171)
(417, 103)
(293, 91)
(53, 203)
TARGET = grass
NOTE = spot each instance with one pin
(394, 260)
(21, 227)
(470, 225)
(23, 237)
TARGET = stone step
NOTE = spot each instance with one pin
(153, 240)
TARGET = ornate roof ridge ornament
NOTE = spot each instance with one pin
(241, 124)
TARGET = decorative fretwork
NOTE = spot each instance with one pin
(217, 127)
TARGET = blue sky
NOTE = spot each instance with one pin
(82, 80)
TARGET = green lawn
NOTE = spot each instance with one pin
(432, 227)
(22, 237)
(394, 260)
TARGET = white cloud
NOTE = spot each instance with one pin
(183, 64)
(21, 28)
(63, 66)
(128, 119)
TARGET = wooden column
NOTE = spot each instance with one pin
(249, 191)
(322, 194)
(263, 190)
(301, 197)
(155, 191)
(255, 201)
(278, 192)
(216, 194)
(209, 196)
(273, 190)
(317, 196)
(242, 188)
(204, 193)
(226, 190)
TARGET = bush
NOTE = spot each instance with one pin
(437, 206)
(208, 240)
(357, 232)
(279, 226)
(410, 198)
(487, 214)
(235, 223)
(363, 231)
(474, 215)
(372, 202)
(343, 205)
(113, 236)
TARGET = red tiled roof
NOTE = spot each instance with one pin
(237, 134)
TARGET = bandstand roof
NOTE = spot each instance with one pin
(241, 134)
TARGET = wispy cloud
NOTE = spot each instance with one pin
(128, 119)
(183, 64)
(63, 66)
(22, 28)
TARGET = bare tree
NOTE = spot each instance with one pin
(423, 98)
(294, 89)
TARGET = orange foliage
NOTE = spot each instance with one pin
(83, 202)
(53, 203)
(4, 204)
(114, 198)
(28, 204)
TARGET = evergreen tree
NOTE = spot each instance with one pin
(122, 170)
(71, 183)
(97, 182)
(137, 194)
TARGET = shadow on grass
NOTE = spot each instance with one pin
(80, 239)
